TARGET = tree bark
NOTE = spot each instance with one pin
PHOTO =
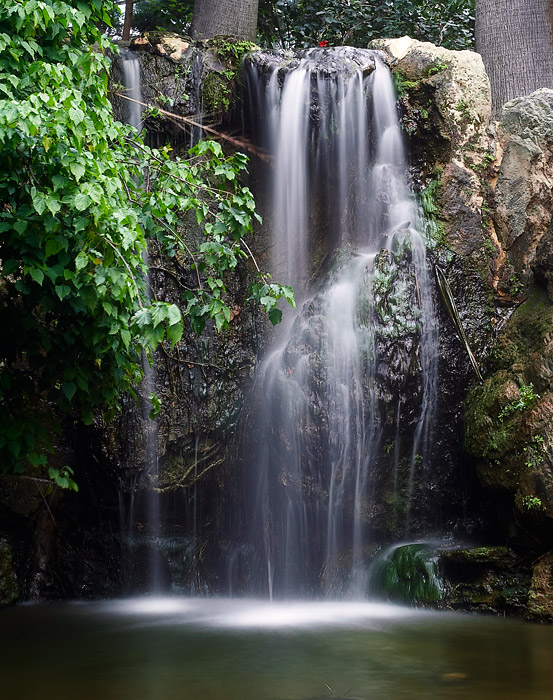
(515, 40)
(231, 17)
(129, 7)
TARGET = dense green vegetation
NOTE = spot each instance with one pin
(171, 15)
(302, 23)
(80, 196)
(356, 22)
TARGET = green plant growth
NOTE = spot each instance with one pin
(526, 400)
(402, 85)
(430, 201)
(81, 197)
(438, 68)
(218, 88)
(232, 51)
(304, 23)
(532, 503)
(534, 452)
(516, 286)
(407, 574)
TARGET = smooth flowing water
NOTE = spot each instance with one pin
(338, 184)
(136, 533)
(131, 80)
(200, 649)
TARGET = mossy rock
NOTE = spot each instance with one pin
(408, 574)
(217, 93)
(540, 596)
(509, 419)
(486, 578)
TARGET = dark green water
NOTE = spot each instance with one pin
(201, 649)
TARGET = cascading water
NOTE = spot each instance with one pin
(151, 507)
(131, 81)
(325, 402)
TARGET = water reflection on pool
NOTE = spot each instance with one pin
(216, 649)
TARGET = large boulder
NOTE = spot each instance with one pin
(448, 92)
(523, 191)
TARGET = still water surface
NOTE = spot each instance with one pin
(203, 649)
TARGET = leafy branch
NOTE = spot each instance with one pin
(82, 198)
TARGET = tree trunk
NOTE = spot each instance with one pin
(515, 40)
(232, 17)
(129, 4)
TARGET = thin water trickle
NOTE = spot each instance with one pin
(131, 81)
(339, 181)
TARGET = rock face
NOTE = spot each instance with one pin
(448, 96)
(485, 579)
(184, 84)
(540, 600)
(446, 108)
(509, 418)
(523, 191)
(491, 200)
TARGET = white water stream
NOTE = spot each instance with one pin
(340, 169)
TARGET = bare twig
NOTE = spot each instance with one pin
(46, 503)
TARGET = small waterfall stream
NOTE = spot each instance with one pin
(131, 81)
(147, 532)
(339, 183)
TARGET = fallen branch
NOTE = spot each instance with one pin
(179, 118)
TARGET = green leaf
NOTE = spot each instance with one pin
(37, 275)
(81, 201)
(78, 169)
(174, 333)
(174, 315)
(69, 389)
(62, 290)
(275, 316)
(52, 247)
(81, 261)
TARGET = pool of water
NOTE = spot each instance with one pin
(205, 649)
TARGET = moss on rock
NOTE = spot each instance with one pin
(486, 579)
(508, 421)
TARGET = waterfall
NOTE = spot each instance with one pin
(143, 526)
(346, 235)
(131, 81)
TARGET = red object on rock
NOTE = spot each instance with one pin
(324, 42)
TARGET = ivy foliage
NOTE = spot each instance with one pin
(303, 23)
(80, 196)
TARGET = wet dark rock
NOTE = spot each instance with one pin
(9, 592)
(485, 579)
(540, 597)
